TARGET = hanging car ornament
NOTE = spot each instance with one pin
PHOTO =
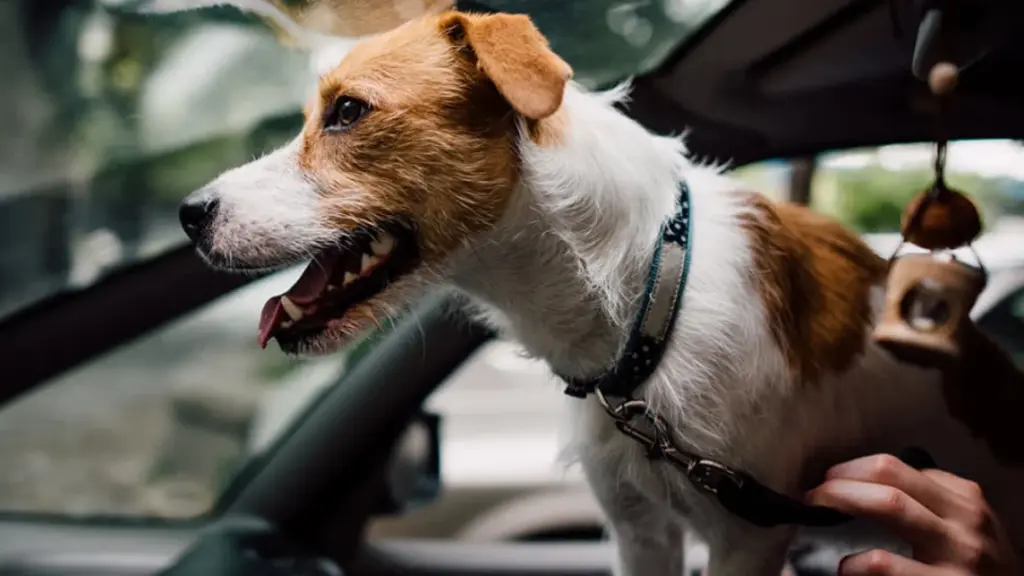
(929, 295)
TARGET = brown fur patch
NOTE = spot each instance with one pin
(438, 145)
(985, 391)
(814, 277)
(515, 56)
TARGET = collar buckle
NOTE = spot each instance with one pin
(710, 476)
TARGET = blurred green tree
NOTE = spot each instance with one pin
(872, 198)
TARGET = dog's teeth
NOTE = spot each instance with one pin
(368, 263)
(383, 245)
(293, 311)
(349, 278)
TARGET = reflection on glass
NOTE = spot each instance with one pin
(110, 119)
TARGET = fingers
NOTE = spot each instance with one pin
(965, 488)
(884, 563)
(944, 518)
(915, 523)
(891, 471)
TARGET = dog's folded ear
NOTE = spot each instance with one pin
(515, 56)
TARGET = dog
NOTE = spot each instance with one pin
(456, 150)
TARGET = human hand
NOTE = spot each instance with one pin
(945, 519)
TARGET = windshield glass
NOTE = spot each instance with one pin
(111, 118)
(608, 40)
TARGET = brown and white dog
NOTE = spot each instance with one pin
(455, 150)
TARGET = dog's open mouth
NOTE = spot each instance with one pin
(336, 280)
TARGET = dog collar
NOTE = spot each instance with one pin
(738, 492)
(663, 294)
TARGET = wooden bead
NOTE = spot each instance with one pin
(950, 221)
(943, 78)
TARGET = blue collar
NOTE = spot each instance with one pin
(659, 306)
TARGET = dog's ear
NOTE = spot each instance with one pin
(516, 57)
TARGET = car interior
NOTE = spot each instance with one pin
(759, 80)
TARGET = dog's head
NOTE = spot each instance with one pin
(409, 150)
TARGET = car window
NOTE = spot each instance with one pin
(1005, 323)
(158, 428)
(868, 188)
(607, 40)
(110, 119)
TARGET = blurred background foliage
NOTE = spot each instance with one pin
(872, 199)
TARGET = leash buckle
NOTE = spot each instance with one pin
(710, 476)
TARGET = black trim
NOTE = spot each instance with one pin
(65, 330)
(807, 39)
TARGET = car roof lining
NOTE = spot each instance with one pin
(781, 78)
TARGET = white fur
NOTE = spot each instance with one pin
(270, 213)
(562, 273)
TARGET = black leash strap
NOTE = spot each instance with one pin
(738, 492)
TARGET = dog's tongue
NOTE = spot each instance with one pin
(306, 290)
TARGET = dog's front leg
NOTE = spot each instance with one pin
(750, 552)
(648, 538)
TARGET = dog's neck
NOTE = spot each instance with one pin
(563, 271)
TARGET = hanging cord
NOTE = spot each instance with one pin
(942, 80)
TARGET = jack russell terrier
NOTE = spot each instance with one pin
(455, 149)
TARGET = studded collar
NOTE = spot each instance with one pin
(662, 297)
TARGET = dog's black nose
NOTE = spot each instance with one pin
(196, 214)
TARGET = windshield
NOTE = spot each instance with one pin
(111, 118)
(608, 40)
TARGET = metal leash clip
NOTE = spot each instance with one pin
(707, 475)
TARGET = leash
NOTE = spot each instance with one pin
(738, 492)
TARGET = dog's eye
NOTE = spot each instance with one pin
(345, 112)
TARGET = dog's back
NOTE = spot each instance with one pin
(822, 289)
